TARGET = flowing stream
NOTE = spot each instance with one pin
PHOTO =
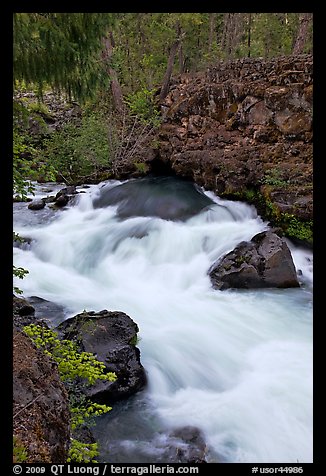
(237, 364)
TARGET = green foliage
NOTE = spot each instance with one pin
(28, 163)
(292, 226)
(134, 340)
(273, 177)
(80, 452)
(61, 50)
(21, 167)
(141, 167)
(71, 363)
(19, 451)
(295, 228)
(240, 260)
(19, 273)
(71, 366)
(141, 104)
(84, 412)
(76, 152)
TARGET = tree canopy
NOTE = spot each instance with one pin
(65, 50)
(60, 50)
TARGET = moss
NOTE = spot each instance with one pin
(89, 326)
(239, 260)
(19, 451)
(134, 340)
(295, 228)
(292, 226)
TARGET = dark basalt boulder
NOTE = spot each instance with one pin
(64, 195)
(22, 307)
(165, 197)
(70, 190)
(48, 310)
(36, 204)
(112, 337)
(263, 262)
(62, 200)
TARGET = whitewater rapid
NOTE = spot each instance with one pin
(237, 364)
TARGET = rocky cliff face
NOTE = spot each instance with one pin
(244, 130)
(41, 417)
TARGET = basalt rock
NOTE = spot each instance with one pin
(111, 336)
(187, 445)
(62, 200)
(263, 262)
(40, 404)
(70, 190)
(23, 313)
(165, 197)
(243, 124)
(36, 204)
(65, 195)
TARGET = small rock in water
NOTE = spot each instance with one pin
(36, 204)
(62, 200)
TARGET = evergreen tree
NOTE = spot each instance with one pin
(60, 50)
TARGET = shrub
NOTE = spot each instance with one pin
(76, 152)
(73, 365)
(141, 104)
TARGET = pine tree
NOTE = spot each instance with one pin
(61, 50)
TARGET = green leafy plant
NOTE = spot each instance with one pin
(141, 104)
(297, 228)
(78, 151)
(85, 412)
(141, 167)
(273, 177)
(73, 365)
(28, 162)
(20, 273)
(19, 451)
(80, 452)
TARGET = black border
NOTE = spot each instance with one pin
(6, 133)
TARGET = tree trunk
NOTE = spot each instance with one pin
(169, 68)
(302, 34)
(231, 33)
(118, 103)
(212, 21)
(249, 35)
(181, 60)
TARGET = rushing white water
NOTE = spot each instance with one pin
(236, 364)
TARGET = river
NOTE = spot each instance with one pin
(237, 364)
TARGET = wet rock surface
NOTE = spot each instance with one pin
(263, 262)
(112, 337)
(165, 197)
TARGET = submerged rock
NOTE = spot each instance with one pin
(112, 337)
(263, 262)
(187, 445)
(165, 197)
